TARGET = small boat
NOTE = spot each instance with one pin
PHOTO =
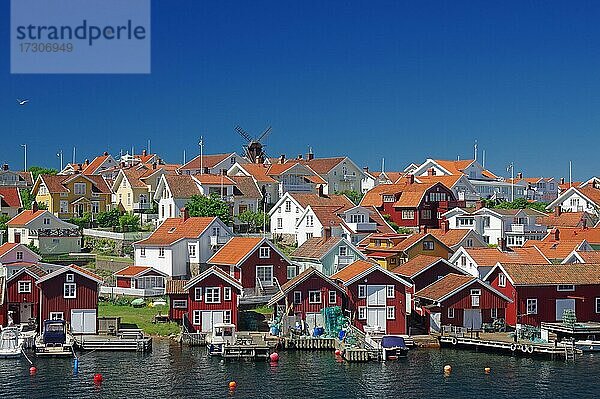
(588, 345)
(10, 346)
(393, 347)
(222, 334)
(55, 340)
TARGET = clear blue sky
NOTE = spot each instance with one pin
(372, 79)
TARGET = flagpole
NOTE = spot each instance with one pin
(201, 143)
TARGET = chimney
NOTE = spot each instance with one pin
(105, 153)
(5, 167)
(423, 229)
(366, 169)
(321, 193)
(326, 233)
(519, 175)
(502, 244)
(557, 211)
(34, 206)
(479, 204)
(430, 172)
(562, 180)
(445, 226)
(556, 234)
(257, 159)
(154, 165)
(87, 162)
(282, 159)
(310, 156)
(410, 179)
(144, 153)
(584, 223)
(185, 213)
(299, 157)
(224, 172)
(122, 164)
(206, 170)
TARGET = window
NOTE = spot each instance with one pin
(291, 272)
(227, 316)
(532, 306)
(297, 297)
(19, 255)
(70, 277)
(494, 313)
(192, 250)
(426, 214)
(79, 188)
(362, 313)
(389, 198)
(475, 294)
(408, 214)
(565, 287)
(70, 290)
(362, 291)
(437, 197)
(212, 295)
(288, 206)
(197, 318)
(501, 280)
(56, 316)
(198, 293)
(486, 221)
(279, 223)
(297, 209)
(24, 287)
(227, 293)
(95, 207)
(390, 292)
(179, 304)
(264, 252)
(64, 206)
(142, 252)
(46, 221)
(161, 252)
(309, 221)
(450, 313)
(597, 305)
(332, 297)
(469, 242)
(392, 260)
(309, 236)
(314, 296)
(428, 245)
(343, 251)
(390, 312)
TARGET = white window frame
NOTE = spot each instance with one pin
(143, 252)
(198, 294)
(197, 317)
(297, 297)
(501, 280)
(362, 313)
(161, 252)
(362, 291)
(227, 316)
(289, 275)
(565, 287)
(264, 252)
(450, 313)
(56, 316)
(313, 300)
(214, 296)
(24, 287)
(332, 297)
(390, 291)
(534, 304)
(70, 278)
(70, 296)
(390, 313)
(494, 313)
(227, 293)
(180, 304)
(598, 305)
(77, 188)
(192, 250)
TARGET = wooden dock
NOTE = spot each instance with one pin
(309, 343)
(124, 342)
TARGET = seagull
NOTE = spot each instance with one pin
(22, 102)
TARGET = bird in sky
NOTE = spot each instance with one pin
(22, 102)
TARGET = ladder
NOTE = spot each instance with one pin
(570, 352)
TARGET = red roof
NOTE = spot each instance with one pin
(444, 286)
(25, 217)
(214, 179)
(175, 229)
(207, 161)
(490, 256)
(353, 270)
(592, 236)
(94, 165)
(235, 250)
(416, 265)
(10, 197)
(131, 271)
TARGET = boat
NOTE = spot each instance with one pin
(588, 345)
(222, 334)
(393, 347)
(10, 346)
(55, 340)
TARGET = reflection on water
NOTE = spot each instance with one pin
(174, 371)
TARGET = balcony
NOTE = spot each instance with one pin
(296, 187)
(137, 292)
(342, 261)
(218, 240)
(138, 206)
(362, 226)
(527, 228)
(55, 233)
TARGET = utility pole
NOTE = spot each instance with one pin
(25, 147)
(475, 150)
(512, 180)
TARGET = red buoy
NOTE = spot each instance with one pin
(32, 370)
(338, 352)
(232, 385)
(98, 378)
(274, 357)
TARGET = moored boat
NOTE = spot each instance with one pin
(55, 340)
(393, 347)
(10, 347)
(222, 334)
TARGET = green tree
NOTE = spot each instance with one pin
(26, 198)
(4, 228)
(82, 222)
(393, 225)
(38, 170)
(109, 218)
(129, 222)
(352, 195)
(211, 206)
(33, 248)
(254, 220)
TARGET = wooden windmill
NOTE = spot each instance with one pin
(254, 148)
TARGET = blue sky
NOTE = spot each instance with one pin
(369, 79)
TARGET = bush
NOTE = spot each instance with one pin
(130, 222)
(109, 218)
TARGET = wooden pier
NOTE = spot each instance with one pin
(127, 340)
(309, 343)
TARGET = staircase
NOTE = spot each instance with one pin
(570, 351)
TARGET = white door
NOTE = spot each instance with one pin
(561, 305)
(376, 319)
(210, 318)
(83, 321)
(314, 319)
(472, 319)
(265, 275)
(435, 321)
(25, 312)
(376, 295)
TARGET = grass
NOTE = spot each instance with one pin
(115, 258)
(264, 310)
(139, 318)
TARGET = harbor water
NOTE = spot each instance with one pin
(173, 371)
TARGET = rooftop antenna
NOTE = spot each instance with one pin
(382, 165)
(475, 149)
(183, 157)
(254, 148)
(458, 157)
(59, 154)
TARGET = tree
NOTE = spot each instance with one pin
(82, 222)
(109, 218)
(130, 222)
(393, 225)
(211, 206)
(26, 198)
(4, 228)
(352, 195)
(32, 246)
(38, 170)
(254, 220)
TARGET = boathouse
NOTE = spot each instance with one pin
(210, 297)
(424, 270)
(140, 281)
(462, 301)
(22, 293)
(377, 298)
(304, 296)
(70, 293)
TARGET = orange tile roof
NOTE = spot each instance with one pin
(457, 167)
(315, 200)
(208, 161)
(10, 197)
(259, 172)
(353, 270)
(56, 183)
(567, 185)
(490, 256)
(316, 247)
(130, 271)
(565, 219)
(94, 165)
(410, 195)
(591, 235)
(590, 256)
(175, 229)
(416, 265)
(235, 250)
(447, 180)
(278, 168)
(444, 286)
(214, 179)
(176, 287)
(246, 187)
(451, 237)
(374, 197)
(182, 186)
(381, 254)
(382, 226)
(86, 272)
(25, 217)
(323, 165)
(7, 246)
(543, 274)
(590, 192)
(554, 249)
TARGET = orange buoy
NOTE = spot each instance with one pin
(232, 385)
(447, 368)
(487, 370)
(32, 370)
(274, 357)
(98, 378)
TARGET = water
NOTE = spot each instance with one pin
(176, 372)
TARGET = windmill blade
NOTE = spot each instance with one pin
(264, 134)
(243, 133)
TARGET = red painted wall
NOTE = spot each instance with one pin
(124, 282)
(396, 326)
(314, 283)
(462, 300)
(177, 313)
(248, 268)
(431, 275)
(52, 299)
(14, 298)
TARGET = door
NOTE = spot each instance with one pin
(435, 321)
(17, 238)
(376, 319)
(210, 318)
(83, 321)
(314, 319)
(265, 275)
(472, 319)
(376, 295)
(561, 305)
(25, 312)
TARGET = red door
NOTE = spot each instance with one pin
(18, 238)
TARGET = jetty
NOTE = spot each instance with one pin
(132, 340)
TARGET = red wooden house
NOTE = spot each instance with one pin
(141, 280)
(70, 293)
(22, 293)
(210, 297)
(462, 301)
(376, 297)
(258, 264)
(540, 293)
(3, 307)
(410, 203)
(424, 270)
(306, 295)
